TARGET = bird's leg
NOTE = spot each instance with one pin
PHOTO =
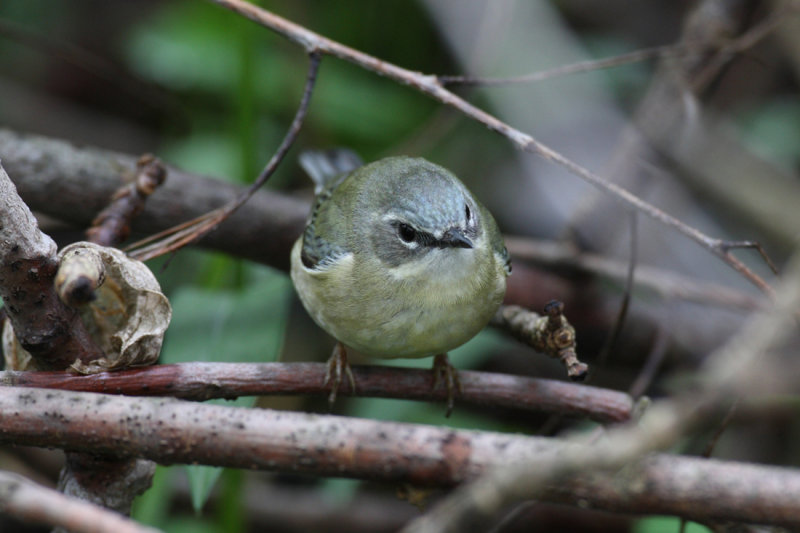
(443, 370)
(337, 363)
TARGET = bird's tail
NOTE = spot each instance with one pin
(324, 165)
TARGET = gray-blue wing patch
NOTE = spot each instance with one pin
(317, 253)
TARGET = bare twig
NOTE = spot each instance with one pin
(549, 333)
(745, 41)
(430, 85)
(665, 283)
(183, 234)
(573, 68)
(619, 322)
(170, 431)
(112, 225)
(28, 501)
(723, 425)
(203, 381)
(651, 365)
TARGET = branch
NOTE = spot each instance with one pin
(264, 229)
(668, 284)
(203, 381)
(29, 501)
(191, 231)
(728, 372)
(113, 225)
(83, 179)
(573, 68)
(430, 85)
(173, 431)
(52, 332)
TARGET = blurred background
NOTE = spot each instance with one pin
(214, 94)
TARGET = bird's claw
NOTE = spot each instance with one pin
(444, 371)
(337, 364)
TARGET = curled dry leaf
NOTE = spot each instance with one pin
(120, 303)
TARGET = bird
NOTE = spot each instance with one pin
(398, 259)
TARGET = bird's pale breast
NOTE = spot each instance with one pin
(417, 310)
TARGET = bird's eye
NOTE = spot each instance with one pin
(406, 232)
(467, 212)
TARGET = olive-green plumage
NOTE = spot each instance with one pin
(398, 258)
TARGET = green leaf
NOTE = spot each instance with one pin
(666, 524)
(151, 508)
(224, 325)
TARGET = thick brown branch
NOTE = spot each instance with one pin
(28, 501)
(52, 332)
(203, 381)
(173, 431)
(83, 179)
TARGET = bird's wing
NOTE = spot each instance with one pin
(324, 240)
(496, 238)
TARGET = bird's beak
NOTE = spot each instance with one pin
(455, 237)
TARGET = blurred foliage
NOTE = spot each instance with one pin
(214, 94)
(231, 326)
(667, 524)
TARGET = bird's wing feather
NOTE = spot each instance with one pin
(323, 245)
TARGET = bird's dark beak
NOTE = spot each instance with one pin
(455, 237)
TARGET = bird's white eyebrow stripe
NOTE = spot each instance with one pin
(392, 217)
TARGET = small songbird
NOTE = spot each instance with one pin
(398, 259)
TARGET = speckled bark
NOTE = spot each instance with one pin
(83, 181)
(203, 381)
(173, 431)
(52, 332)
(110, 482)
(31, 502)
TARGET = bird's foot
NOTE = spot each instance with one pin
(444, 371)
(338, 365)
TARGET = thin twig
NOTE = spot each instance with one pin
(668, 284)
(113, 224)
(619, 322)
(430, 85)
(653, 362)
(203, 381)
(573, 68)
(189, 232)
(745, 41)
(723, 425)
(26, 500)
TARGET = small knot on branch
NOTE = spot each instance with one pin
(113, 224)
(550, 334)
(80, 273)
(151, 174)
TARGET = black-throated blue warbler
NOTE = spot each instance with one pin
(398, 259)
